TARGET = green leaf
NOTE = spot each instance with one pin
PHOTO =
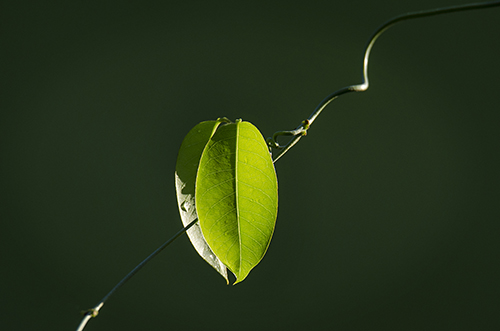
(185, 179)
(237, 196)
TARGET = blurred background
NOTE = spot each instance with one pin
(389, 208)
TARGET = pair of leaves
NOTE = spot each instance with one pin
(225, 177)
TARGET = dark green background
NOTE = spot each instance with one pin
(389, 208)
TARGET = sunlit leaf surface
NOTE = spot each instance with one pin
(237, 196)
(185, 178)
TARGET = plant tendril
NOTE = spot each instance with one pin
(301, 129)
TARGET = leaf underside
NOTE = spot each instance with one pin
(185, 178)
(237, 196)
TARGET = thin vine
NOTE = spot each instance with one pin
(301, 130)
(93, 312)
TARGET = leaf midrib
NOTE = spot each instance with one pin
(237, 197)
